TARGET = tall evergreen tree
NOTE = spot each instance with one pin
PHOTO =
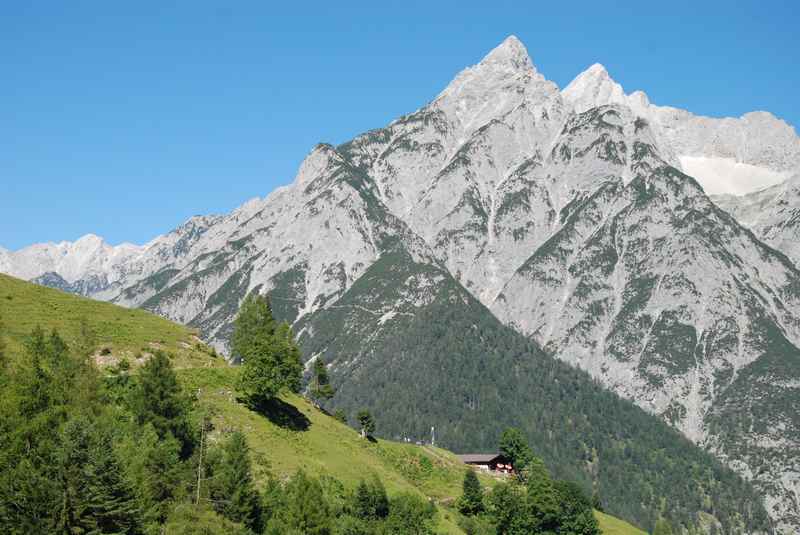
(74, 513)
(233, 491)
(158, 399)
(367, 423)
(471, 501)
(271, 360)
(305, 509)
(577, 517)
(109, 496)
(253, 323)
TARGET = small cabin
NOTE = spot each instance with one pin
(488, 462)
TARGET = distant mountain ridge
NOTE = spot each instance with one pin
(570, 214)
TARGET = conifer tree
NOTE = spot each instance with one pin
(306, 510)
(367, 423)
(471, 501)
(109, 496)
(73, 514)
(233, 491)
(158, 399)
(253, 324)
(271, 360)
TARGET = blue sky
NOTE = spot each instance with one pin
(125, 119)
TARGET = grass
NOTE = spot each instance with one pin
(610, 525)
(292, 434)
(122, 332)
(296, 435)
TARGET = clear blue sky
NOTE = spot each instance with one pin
(126, 118)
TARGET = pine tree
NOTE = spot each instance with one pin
(233, 491)
(73, 514)
(577, 517)
(306, 510)
(271, 360)
(158, 399)
(471, 501)
(109, 496)
(367, 423)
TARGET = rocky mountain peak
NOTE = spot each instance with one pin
(320, 158)
(502, 81)
(510, 53)
(594, 87)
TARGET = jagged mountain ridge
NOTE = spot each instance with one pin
(484, 181)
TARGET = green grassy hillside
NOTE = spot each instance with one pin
(295, 434)
(289, 435)
(120, 332)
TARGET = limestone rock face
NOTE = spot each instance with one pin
(573, 215)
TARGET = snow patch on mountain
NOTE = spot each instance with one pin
(720, 176)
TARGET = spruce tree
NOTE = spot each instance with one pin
(158, 399)
(233, 491)
(306, 510)
(109, 496)
(471, 501)
(73, 514)
(367, 423)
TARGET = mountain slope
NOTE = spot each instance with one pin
(408, 341)
(119, 332)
